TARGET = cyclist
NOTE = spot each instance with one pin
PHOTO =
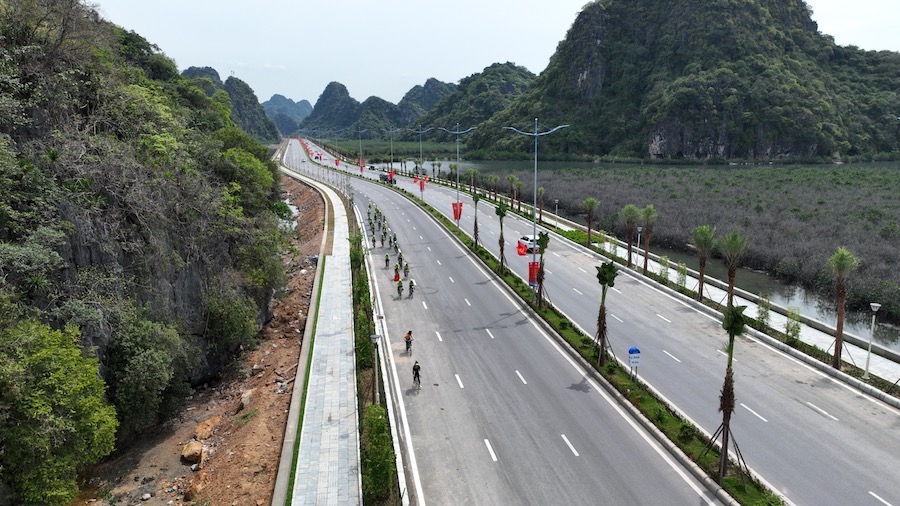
(400, 257)
(387, 259)
(417, 379)
(409, 339)
(412, 286)
(400, 288)
(405, 270)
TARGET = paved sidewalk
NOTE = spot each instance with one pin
(328, 468)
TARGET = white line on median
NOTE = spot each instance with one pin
(664, 318)
(520, 377)
(459, 381)
(570, 445)
(754, 412)
(490, 450)
(672, 356)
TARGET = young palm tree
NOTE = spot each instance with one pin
(501, 213)
(475, 199)
(732, 247)
(703, 238)
(453, 168)
(472, 176)
(540, 203)
(590, 207)
(606, 276)
(494, 179)
(630, 215)
(648, 218)
(511, 179)
(733, 323)
(542, 242)
(519, 185)
(840, 264)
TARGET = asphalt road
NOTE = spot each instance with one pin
(810, 437)
(503, 415)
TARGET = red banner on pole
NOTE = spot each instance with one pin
(337, 163)
(415, 179)
(421, 185)
(532, 272)
(457, 210)
(360, 169)
(391, 176)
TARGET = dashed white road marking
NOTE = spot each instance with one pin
(673, 357)
(459, 381)
(489, 333)
(577, 291)
(569, 444)
(467, 302)
(664, 318)
(616, 317)
(521, 378)
(490, 450)
(438, 334)
(754, 412)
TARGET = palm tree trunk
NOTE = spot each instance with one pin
(630, 242)
(646, 250)
(700, 278)
(839, 328)
(731, 275)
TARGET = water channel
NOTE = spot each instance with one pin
(809, 303)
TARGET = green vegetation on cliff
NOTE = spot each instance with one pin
(139, 239)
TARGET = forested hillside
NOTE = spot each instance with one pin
(704, 79)
(139, 234)
(287, 114)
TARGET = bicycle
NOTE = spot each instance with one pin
(400, 289)
(405, 270)
(409, 346)
(412, 287)
(417, 378)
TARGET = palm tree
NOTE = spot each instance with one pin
(540, 203)
(704, 238)
(501, 213)
(472, 176)
(542, 243)
(606, 276)
(433, 165)
(511, 179)
(519, 184)
(630, 215)
(840, 264)
(648, 218)
(732, 247)
(733, 323)
(590, 207)
(453, 168)
(475, 199)
(438, 169)
(493, 179)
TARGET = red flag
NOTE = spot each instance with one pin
(532, 272)
(457, 210)
(415, 179)
(521, 249)
(422, 185)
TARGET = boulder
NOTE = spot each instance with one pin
(192, 452)
(206, 428)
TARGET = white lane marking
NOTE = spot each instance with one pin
(429, 248)
(439, 262)
(570, 445)
(616, 317)
(467, 302)
(754, 412)
(492, 233)
(521, 378)
(451, 279)
(873, 494)
(616, 290)
(672, 356)
(725, 355)
(577, 291)
(664, 318)
(547, 271)
(424, 305)
(820, 410)
(555, 253)
(420, 235)
(489, 333)
(490, 450)
(459, 381)
(582, 270)
(421, 238)
(438, 334)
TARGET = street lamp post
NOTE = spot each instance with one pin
(875, 307)
(556, 212)
(458, 133)
(420, 131)
(391, 131)
(640, 228)
(536, 134)
(374, 338)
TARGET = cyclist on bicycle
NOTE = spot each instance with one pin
(412, 286)
(400, 288)
(416, 377)
(409, 339)
(387, 260)
(405, 270)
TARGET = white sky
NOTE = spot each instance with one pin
(385, 47)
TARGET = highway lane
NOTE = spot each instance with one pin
(785, 421)
(503, 415)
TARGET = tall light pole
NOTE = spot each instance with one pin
(640, 228)
(375, 338)
(556, 213)
(457, 132)
(391, 131)
(875, 307)
(420, 132)
(360, 145)
(536, 134)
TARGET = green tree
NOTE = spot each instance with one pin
(704, 239)
(733, 323)
(540, 196)
(501, 213)
(630, 216)
(589, 205)
(53, 416)
(648, 218)
(542, 242)
(519, 185)
(732, 247)
(840, 264)
(472, 177)
(475, 199)
(606, 276)
(511, 179)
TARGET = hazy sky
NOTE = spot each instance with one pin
(385, 47)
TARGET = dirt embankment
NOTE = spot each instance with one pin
(239, 422)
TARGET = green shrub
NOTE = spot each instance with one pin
(377, 455)
(792, 325)
(231, 320)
